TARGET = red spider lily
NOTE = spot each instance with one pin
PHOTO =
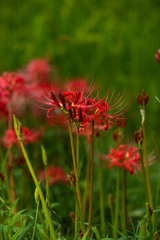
(37, 70)
(29, 136)
(157, 56)
(55, 174)
(126, 157)
(83, 110)
(11, 82)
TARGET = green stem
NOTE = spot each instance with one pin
(86, 181)
(147, 167)
(80, 213)
(43, 225)
(144, 174)
(116, 204)
(34, 228)
(91, 184)
(74, 159)
(124, 203)
(112, 220)
(101, 186)
(47, 183)
(1, 222)
(52, 231)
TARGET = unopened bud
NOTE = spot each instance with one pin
(110, 201)
(36, 196)
(72, 215)
(44, 156)
(1, 177)
(155, 236)
(149, 211)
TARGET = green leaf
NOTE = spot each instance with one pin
(17, 234)
(26, 230)
(120, 233)
(85, 236)
(15, 217)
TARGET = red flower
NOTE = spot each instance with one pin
(11, 82)
(157, 56)
(55, 174)
(29, 136)
(83, 110)
(126, 157)
(38, 70)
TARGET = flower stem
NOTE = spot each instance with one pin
(74, 160)
(116, 204)
(91, 184)
(147, 168)
(86, 181)
(144, 174)
(101, 187)
(52, 231)
(10, 158)
(124, 203)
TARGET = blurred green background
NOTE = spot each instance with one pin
(113, 42)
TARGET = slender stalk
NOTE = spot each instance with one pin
(147, 167)
(43, 225)
(116, 204)
(144, 175)
(91, 184)
(47, 183)
(1, 222)
(124, 203)
(77, 183)
(86, 181)
(52, 231)
(147, 170)
(11, 179)
(74, 159)
(101, 187)
(112, 220)
(34, 228)
(80, 213)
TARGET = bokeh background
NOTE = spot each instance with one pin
(112, 42)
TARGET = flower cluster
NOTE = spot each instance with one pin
(124, 157)
(82, 109)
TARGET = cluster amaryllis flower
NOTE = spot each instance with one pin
(29, 136)
(124, 157)
(82, 109)
(55, 174)
(11, 90)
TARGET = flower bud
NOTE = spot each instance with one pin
(1, 177)
(36, 196)
(149, 212)
(110, 201)
(44, 156)
(155, 236)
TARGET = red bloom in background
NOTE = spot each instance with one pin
(126, 157)
(38, 70)
(157, 56)
(29, 136)
(55, 174)
(11, 82)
